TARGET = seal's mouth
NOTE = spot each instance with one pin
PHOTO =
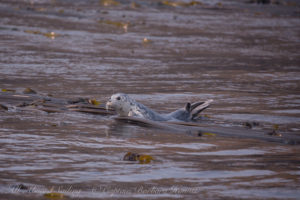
(108, 105)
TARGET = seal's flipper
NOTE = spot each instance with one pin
(188, 107)
(198, 107)
(195, 105)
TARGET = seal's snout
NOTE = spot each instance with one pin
(108, 104)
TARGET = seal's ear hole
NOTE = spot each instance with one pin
(188, 107)
(118, 98)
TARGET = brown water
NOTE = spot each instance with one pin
(244, 56)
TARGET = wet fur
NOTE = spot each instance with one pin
(126, 106)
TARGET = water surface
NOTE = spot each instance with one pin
(244, 56)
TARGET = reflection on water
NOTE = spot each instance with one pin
(243, 56)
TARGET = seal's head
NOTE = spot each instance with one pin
(121, 103)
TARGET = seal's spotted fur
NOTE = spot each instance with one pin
(126, 106)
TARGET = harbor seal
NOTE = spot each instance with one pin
(126, 106)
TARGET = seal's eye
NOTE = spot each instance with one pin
(118, 98)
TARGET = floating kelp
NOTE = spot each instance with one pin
(50, 110)
(209, 134)
(200, 133)
(109, 3)
(212, 130)
(51, 35)
(77, 100)
(29, 91)
(33, 32)
(146, 41)
(8, 90)
(250, 124)
(130, 156)
(36, 9)
(91, 110)
(134, 5)
(143, 159)
(180, 3)
(54, 195)
(275, 127)
(40, 9)
(274, 132)
(94, 102)
(219, 4)
(117, 24)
